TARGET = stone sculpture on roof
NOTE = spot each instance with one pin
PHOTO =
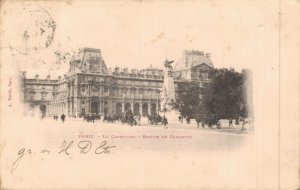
(168, 65)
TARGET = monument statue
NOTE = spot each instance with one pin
(168, 90)
(168, 65)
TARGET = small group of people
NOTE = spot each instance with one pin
(91, 117)
(154, 119)
(239, 120)
(62, 117)
(187, 117)
(126, 117)
(55, 117)
(137, 118)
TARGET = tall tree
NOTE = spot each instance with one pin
(224, 96)
(187, 99)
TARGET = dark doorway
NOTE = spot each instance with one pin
(95, 107)
(119, 109)
(136, 109)
(145, 109)
(43, 110)
(153, 109)
(127, 107)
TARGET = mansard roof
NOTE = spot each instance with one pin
(192, 59)
(152, 71)
(85, 49)
(152, 68)
(89, 60)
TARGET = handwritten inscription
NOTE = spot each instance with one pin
(83, 147)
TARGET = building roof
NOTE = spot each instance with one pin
(152, 71)
(86, 49)
(152, 68)
(89, 60)
(193, 59)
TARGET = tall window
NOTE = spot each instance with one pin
(204, 76)
(31, 95)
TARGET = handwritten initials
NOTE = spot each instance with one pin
(64, 147)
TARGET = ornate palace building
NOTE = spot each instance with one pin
(90, 87)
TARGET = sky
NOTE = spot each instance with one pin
(136, 34)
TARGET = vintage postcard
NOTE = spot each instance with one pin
(136, 94)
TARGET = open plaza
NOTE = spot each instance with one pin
(212, 154)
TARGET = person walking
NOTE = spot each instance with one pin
(244, 121)
(165, 122)
(93, 118)
(139, 119)
(237, 121)
(188, 119)
(63, 117)
(230, 122)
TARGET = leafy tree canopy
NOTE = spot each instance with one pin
(224, 96)
(187, 99)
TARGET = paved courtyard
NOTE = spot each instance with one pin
(177, 126)
(138, 157)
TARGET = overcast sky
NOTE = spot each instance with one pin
(135, 34)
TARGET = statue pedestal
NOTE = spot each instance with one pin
(168, 95)
(169, 86)
(172, 116)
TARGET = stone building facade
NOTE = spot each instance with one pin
(90, 87)
(194, 66)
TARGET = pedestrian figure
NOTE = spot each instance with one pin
(139, 119)
(202, 124)
(179, 118)
(243, 124)
(63, 117)
(237, 121)
(230, 122)
(165, 122)
(93, 118)
(188, 120)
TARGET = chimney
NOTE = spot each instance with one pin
(207, 54)
(36, 77)
(117, 69)
(59, 77)
(48, 77)
(185, 52)
(133, 71)
(65, 76)
(125, 70)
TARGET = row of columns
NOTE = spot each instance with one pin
(149, 104)
(137, 93)
(100, 106)
(56, 108)
(90, 90)
(71, 89)
(71, 92)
